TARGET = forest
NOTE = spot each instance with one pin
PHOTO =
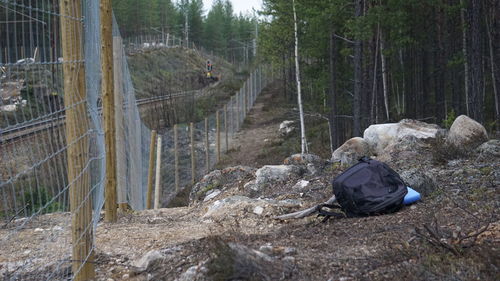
(218, 30)
(384, 60)
(362, 61)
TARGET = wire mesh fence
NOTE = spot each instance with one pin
(191, 151)
(52, 141)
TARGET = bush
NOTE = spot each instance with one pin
(37, 199)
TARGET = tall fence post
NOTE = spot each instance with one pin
(193, 156)
(108, 106)
(77, 150)
(149, 196)
(120, 132)
(207, 146)
(217, 118)
(158, 174)
(226, 127)
(176, 158)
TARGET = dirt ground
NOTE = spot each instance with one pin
(452, 234)
(260, 131)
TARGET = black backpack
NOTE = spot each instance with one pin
(367, 188)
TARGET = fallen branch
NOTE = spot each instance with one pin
(305, 213)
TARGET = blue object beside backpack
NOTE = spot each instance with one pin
(411, 197)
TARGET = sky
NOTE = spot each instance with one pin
(238, 5)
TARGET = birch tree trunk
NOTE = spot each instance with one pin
(297, 76)
(384, 76)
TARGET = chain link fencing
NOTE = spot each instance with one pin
(52, 151)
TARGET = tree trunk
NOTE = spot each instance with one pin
(358, 62)
(440, 61)
(304, 148)
(494, 46)
(384, 77)
(475, 61)
(332, 97)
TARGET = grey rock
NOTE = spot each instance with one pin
(466, 134)
(489, 149)
(419, 181)
(272, 174)
(196, 272)
(146, 261)
(286, 128)
(381, 135)
(218, 179)
(351, 151)
(212, 194)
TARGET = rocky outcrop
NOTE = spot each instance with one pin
(272, 174)
(489, 149)
(466, 134)
(382, 135)
(420, 181)
(219, 179)
(351, 151)
(242, 206)
(313, 164)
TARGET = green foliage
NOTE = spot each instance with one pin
(39, 198)
(450, 118)
(220, 30)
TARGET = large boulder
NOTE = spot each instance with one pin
(271, 174)
(466, 134)
(381, 135)
(219, 179)
(351, 151)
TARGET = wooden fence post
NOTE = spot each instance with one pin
(158, 174)
(176, 156)
(121, 179)
(149, 196)
(76, 130)
(193, 156)
(207, 146)
(217, 118)
(108, 109)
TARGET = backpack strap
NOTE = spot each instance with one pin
(327, 214)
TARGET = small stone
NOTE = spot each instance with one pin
(39, 229)
(289, 251)
(266, 249)
(301, 184)
(125, 276)
(212, 194)
(258, 210)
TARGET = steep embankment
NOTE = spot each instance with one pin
(157, 72)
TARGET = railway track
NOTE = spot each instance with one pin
(57, 119)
